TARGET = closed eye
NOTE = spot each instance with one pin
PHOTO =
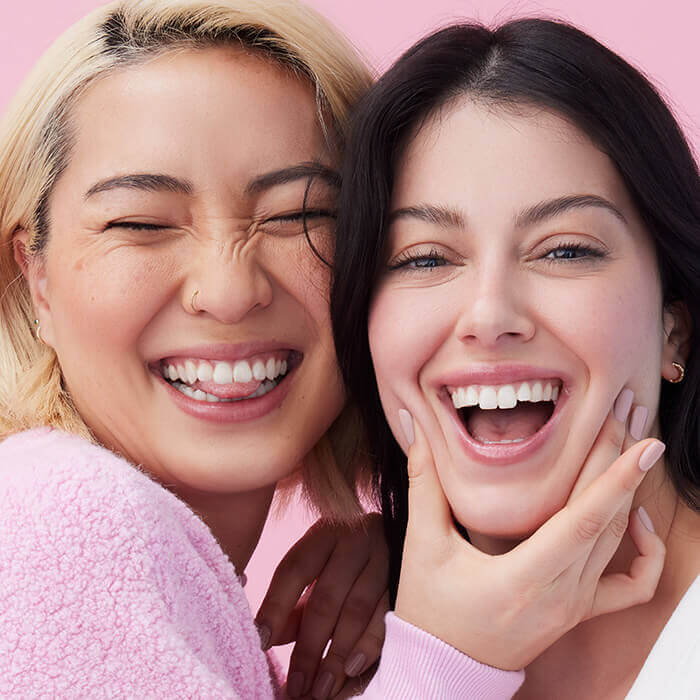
(135, 226)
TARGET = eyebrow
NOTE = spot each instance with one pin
(554, 207)
(142, 181)
(447, 217)
(303, 171)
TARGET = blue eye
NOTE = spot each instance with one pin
(573, 251)
(418, 261)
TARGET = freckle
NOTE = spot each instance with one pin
(92, 299)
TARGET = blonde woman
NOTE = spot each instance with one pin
(163, 306)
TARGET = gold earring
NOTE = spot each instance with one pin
(194, 296)
(681, 373)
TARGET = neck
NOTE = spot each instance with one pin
(236, 520)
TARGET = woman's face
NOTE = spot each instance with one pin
(188, 312)
(520, 296)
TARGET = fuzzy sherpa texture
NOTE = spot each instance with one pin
(111, 587)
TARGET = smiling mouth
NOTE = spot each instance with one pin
(505, 414)
(215, 381)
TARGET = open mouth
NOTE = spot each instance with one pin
(216, 381)
(507, 414)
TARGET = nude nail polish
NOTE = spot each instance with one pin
(646, 520)
(651, 455)
(638, 422)
(406, 420)
(623, 404)
(323, 686)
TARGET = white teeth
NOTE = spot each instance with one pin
(259, 370)
(524, 393)
(488, 398)
(242, 372)
(205, 372)
(199, 395)
(505, 396)
(194, 370)
(223, 373)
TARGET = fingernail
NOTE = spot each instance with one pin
(323, 686)
(651, 455)
(355, 664)
(265, 634)
(623, 404)
(407, 425)
(639, 420)
(295, 684)
(646, 520)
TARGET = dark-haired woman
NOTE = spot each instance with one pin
(520, 233)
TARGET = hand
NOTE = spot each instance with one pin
(550, 582)
(332, 585)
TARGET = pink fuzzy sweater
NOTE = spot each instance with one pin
(112, 587)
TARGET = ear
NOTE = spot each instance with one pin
(34, 272)
(678, 328)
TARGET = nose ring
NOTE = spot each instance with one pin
(192, 304)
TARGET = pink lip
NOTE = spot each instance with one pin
(236, 412)
(499, 374)
(226, 352)
(508, 454)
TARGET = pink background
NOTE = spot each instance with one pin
(659, 37)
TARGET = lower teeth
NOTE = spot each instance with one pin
(199, 395)
(502, 442)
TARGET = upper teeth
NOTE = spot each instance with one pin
(191, 371)
(506, 395)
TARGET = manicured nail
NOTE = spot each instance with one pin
(407, 425)
(295, 684)
(651, 455)
(639, 420)
(323, 686)
(646, 520)
(623, 404)
(265, 633)
(355, 664)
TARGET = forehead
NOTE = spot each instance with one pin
(192, 111)
(487, 157)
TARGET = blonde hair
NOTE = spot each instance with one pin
(35, 143)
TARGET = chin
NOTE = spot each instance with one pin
(502, 518)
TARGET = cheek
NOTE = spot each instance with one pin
(406, 328)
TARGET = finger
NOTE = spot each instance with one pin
(429, 514)
(323, 610)
(620, 591)
(572, 533)
(608, 444)
(297, 570)
(368, 599)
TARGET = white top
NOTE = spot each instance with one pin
(672, 670)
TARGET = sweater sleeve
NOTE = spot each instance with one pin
(415, 664)
(111, 587)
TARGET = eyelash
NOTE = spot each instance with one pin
(409, 260)
(294, 216)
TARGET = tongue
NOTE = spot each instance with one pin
(500, 424)
(236, 390)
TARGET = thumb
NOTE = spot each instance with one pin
(428, 510)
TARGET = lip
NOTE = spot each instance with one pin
(226, 352)
(508, 454)
(496, 375)
(236, 412)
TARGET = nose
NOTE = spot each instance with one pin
(495, 311)
(228, 283)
